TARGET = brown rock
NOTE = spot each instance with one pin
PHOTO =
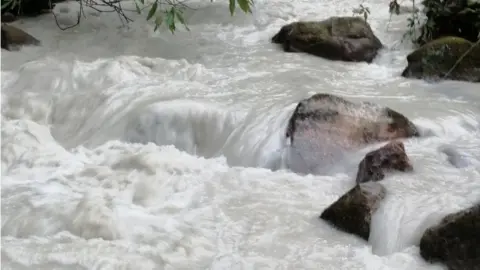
(352, 212)
(13, 37)
(336, 38)
(363, 122)
(324, 128)
(390, 157)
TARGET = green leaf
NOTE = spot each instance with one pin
(180, 18)
(232, 7)
(158, 22)
(6, 4)
(244, 5)
(152, 11)
(137, 7)
(171, 19)
(142, 1)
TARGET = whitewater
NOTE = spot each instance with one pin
(125, 148)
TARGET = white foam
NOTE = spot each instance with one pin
(84, 185)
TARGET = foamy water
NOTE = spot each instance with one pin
(128, 149)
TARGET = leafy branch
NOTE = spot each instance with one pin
(362, 10)
(169, 12)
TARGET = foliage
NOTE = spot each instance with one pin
(162, 12)
(168, 12)
(440, 18)
(10, 4)
(362, 10)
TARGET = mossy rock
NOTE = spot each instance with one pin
(436, 59)
(337, 38)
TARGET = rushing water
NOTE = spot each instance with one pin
(128, 149)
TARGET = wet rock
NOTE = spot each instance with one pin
(337, 38)
(455, 241)
(353, 123)
(8, 17)
(325, 128)
(375, 164)
(441, 59)
(352, 212)
(13, 37)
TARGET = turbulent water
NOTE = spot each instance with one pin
(128, 149)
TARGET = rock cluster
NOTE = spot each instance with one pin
(324, 120)
(331, 119)
(449, 41)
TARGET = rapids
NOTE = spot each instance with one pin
(128, 149)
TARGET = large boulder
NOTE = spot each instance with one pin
(337, 38)
(442, 59)
(455, 241)
(390, 157)
(13, 37)
(352, 212)
(324, 128)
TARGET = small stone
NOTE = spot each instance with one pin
(390, 157)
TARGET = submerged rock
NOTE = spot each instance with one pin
(352, 212)
(324, 127)
(390, 157)
(12, 37)
(337, 38)
(442, 59)
(455, 241)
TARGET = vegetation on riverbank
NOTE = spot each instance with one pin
(161, 12)
(437, 19)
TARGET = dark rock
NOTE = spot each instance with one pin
(8, 17)
(13, 37)
(337, 38)
(438, 60)
(390, 157)
(455, 241)
(352, 212)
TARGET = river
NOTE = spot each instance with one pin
(124, 148)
